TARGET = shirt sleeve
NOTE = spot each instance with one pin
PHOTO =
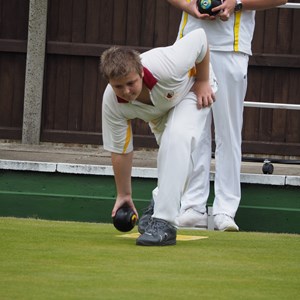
(116, 129)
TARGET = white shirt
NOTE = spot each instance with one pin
(167, 75)
(233, 35)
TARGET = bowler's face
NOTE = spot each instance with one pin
(128, 87)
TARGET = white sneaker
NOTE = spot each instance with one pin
(225, 223)
(192, 218)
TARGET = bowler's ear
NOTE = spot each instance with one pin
(142, 73)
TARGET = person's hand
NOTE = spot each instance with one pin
(226, 9)
(192, 9)
(122, 201)
(204, 93)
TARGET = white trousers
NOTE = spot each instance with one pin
(178, 156)
(231, 72)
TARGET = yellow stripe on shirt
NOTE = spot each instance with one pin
(185, 19)
(128, 136)
(237, 22)
(192, 72)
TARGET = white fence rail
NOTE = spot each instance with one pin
(276, 105)
(271, 105)
(290, 5)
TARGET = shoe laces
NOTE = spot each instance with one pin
(156, 225)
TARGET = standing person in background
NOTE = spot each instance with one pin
(229, 36)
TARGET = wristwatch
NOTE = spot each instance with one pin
(238, 5)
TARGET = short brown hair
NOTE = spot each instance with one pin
(120, 61)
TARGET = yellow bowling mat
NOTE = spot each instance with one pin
(180, 237)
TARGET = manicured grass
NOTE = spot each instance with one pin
(71, 260)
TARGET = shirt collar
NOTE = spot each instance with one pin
(149, 80)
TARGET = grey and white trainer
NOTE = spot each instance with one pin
(158, 233)
(193, 218)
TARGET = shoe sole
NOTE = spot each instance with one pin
(167, 243)
(194, 227)
(231, 229)
(228, 229)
